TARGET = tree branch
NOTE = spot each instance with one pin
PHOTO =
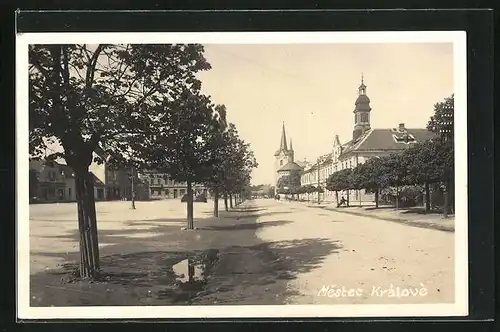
(91, 65)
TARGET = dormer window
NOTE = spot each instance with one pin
(405, 138)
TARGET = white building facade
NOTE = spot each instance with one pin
(366, 143)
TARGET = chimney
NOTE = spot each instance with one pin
(401, 127)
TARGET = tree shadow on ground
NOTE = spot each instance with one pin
(267, 214)
(421, 210)
(256, 274)
(230, 214)
(217, 267)
(374, 208)
(248, 225)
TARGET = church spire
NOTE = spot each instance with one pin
(283, 139)
(291, 146)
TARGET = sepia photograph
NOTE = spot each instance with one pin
(222, 175)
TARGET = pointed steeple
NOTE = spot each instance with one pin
(283, 139)
(291, 145)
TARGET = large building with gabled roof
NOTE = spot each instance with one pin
(366, 143)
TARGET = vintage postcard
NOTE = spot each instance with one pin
(241, 175)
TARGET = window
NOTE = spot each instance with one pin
(52, 176)
(158, 181)
(281, 162)
(364, 117)
(152, 182)
(69, 193)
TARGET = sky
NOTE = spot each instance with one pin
(312, 89)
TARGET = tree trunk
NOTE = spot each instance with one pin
(231, 201)
(452, 195)
(216, 203)
(397, 197)
(427, 198)
(87, 224)
(446, 199)
(133, 189)
(190, 221)
(225, 202)
(348, 198)
(376, 197)
(337, 197)
(359, 196)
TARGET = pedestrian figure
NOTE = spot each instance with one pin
(342, 201)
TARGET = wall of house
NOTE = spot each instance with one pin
(161, 186)
(50, 185)
(70, 189)
(98, 170)
(339, 162)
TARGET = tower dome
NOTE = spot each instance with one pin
(362, 99)
(361, 112)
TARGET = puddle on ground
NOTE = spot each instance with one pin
(165, 278)
(187, 271)
(190, 277)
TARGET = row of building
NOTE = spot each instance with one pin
(366, 143)
(54, 181)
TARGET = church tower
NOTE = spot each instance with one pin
(283, 155)
(361, 112)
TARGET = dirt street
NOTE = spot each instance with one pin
(262, 252)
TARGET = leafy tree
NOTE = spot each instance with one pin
(308, 189)
(375, 177)
(290, 183)
(271, 191)
(232, 177)
(442, 122)
(423, 166)
(359, 177)
(219, 150)
(283, 185)
(182, 150)
(261, 190)
(394, 169)
(88, 96)
(339, 181)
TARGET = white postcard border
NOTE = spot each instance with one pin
(459, 308)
